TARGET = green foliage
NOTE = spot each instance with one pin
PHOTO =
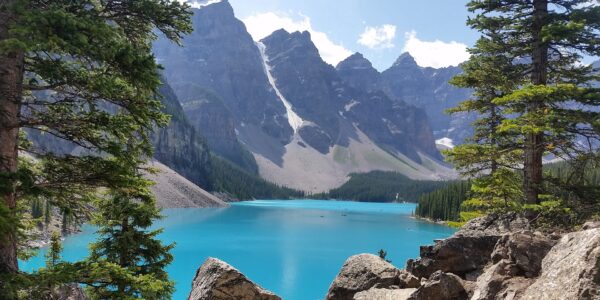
(231, 179)
(532, 99)
(89, 78)
(381, 186)
(445, 202)
(552, 214)
(54, 250)
(124, 218)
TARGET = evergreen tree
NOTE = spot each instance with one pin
(550, 107)
(81, 71)
(54, 250)
(125, 240)
(490, 156)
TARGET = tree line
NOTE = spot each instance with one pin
(534, 100)
(380, 186)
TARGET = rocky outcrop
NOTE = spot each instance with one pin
(494, 257)
(441, 286)
(365, 271)
(216, 280)
(524, 250)
(469, 250)
(516, 259)
(384, 294)
(571, 270)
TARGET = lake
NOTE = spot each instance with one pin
(294, 248)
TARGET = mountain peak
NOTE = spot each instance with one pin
(405, 60)
(355, 61)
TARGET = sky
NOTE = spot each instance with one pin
(433, 31)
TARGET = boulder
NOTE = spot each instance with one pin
(364, 271)
(384, 294)
(591, 225)
(217, 280)
(523, 249)
(496, 224)
(497, 282)
(571, 270)
(441, 286)
(469, 249)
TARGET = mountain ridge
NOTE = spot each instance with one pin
(306, 124)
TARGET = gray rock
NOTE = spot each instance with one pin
(364, 271)
(217, 280)
(384, 294)
(441, 286)
(591, 225)
(174, 191)
(525, 250)
(571, 270)
(498, 283)
(468, 250)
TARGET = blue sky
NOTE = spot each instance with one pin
(433, 31)
(388, 27)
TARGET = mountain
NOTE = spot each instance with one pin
(306, 126)
(178, 145)
(175, 191)
(405, 82)
(218, 74)
(428, 88)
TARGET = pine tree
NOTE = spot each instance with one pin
(125, 240)
(81, 71)
(53, 255)
(553, 107)
(489, 156)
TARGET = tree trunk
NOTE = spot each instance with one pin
(11, 78)
(534, 142)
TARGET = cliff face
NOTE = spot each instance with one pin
(428, 88)
(296, 114)
(179, 146)
(405, 82)
(221, 59)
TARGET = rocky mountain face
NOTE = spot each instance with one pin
(407, 82)
(307, 124)
(220, 59)
(329, 104)
(179, 146)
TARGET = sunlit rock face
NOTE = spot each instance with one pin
(274, 107)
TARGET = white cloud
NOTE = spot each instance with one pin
(263, 24)
(435, 54)
(378, 37)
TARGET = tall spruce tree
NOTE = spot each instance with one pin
(125, 240)
(83, 72)
(490, 157)
(554, 107)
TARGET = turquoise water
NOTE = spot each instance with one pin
(293, 248)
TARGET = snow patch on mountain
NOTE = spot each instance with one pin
(446, 142)
(294, 119)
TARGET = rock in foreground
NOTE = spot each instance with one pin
(571, 270)
(365, 271)
(468, 251)
(217, 280)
